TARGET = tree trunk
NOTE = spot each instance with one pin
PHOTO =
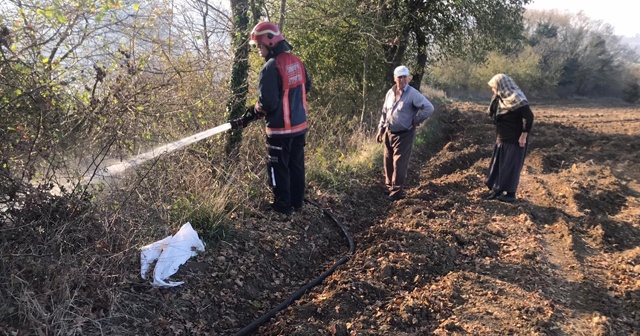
(394, 53)
(237, 101)
(283, 7)
(256, 10)
(421, 58)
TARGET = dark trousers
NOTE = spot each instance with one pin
(505, 167)
(397, 152)
(285, 168)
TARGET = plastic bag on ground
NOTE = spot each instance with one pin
(170, 253)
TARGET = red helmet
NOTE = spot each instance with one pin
(266, 33)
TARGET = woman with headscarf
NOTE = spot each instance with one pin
(513, 118)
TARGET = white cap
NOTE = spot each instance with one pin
(401, 71)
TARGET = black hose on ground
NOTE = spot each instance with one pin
(251, 328)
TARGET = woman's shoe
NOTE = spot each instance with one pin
(506, 198)
(494, 195)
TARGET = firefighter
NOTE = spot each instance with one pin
(282, 100)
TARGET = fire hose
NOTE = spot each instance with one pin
(251, 328)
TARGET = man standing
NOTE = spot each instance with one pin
(282, 100)
(404, 109)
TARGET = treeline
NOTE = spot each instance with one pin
(559, 55)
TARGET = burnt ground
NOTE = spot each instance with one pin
(563, 260)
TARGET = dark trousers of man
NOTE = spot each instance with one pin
(397, 152)
(286, 172)
(505, 167)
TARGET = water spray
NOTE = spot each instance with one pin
(235, 124)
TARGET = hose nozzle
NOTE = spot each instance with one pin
(249, 115)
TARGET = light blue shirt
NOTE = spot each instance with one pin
(412, 107)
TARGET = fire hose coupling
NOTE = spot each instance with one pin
(249, 115)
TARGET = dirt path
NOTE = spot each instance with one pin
(563, 260)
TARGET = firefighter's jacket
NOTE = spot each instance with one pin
(283, 87)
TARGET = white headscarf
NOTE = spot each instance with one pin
(511, 97)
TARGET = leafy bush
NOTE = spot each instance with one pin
(459, 76)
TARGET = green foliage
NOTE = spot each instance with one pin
(565, 54)
(443, 28)
(597, 69)
(583, 54)
(523, 68)
(34, 118)
(544, 30)
(429, 135)
(350, 47)
(466, 75)
(338, 42)
(336, 169)
(339, 151)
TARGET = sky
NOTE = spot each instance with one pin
(621, 14)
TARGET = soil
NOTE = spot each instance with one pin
(564, 259)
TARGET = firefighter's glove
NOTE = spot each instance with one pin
(237, 124)
(249, 116)
(380, 135)
(259, 111)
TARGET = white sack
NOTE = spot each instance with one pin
(150, 253)
(171, 252)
